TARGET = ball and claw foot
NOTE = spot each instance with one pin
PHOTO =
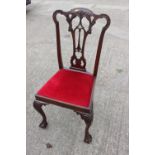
(88, 139)
(43, 124)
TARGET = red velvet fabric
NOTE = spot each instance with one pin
(69, 86)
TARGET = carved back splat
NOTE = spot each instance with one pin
(78, 60)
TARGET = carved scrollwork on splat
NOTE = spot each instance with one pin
(78, 60)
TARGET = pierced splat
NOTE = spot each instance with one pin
(78, 60)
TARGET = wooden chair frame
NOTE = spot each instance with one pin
(78, 64)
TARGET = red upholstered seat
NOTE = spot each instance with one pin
(69, 86)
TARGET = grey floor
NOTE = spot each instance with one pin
(66, 130)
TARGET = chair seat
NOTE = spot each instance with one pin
(69, 86)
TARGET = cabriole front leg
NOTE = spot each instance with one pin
(38, 108)
(88, 119)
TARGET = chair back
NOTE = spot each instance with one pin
(78, 60)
